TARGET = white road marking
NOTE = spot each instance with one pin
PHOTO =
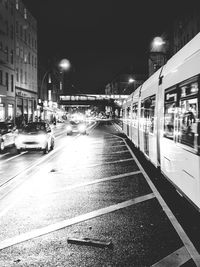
(2, 155)
(183, 236)
(101, 180)
(177, 258)
(104, 163)
(16, 156)
(59, 225)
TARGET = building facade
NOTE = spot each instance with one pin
(26, 86)
(7, 60)
(185, 27)
(121, 85)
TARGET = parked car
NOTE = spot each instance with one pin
(8, 133)
(76, 127)
(35, 136)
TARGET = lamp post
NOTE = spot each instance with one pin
(130, 81)
(62, 66)
(157, 54)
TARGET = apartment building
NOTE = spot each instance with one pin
(7, 60)
(26, 87)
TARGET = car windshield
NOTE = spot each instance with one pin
(34, 127)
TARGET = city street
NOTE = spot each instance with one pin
(88, 202)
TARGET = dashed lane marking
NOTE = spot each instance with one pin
(105, 163)
(177, 258)
(110, 146)
(183, 236)
(68, 187)
(111, 153)
(60, 225)
(16, 156)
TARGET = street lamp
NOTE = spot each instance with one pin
(62, 66)
(157, 54)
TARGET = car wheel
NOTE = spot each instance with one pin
(2, 146)
(46, 149)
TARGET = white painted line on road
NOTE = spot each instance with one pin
(111, 153)
(101, 180)
(183, 236)
(2, 155)
(177, 258)
(107, 146)
(104, 163)
(16, 156)
(59, 225)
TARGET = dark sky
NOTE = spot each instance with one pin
(101, 38)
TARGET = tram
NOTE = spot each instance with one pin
(161, 118)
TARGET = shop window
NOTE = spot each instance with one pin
(10, 111)
(2, 112)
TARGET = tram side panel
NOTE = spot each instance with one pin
(179, 141)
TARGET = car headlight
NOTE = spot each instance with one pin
(69, 128)
(82, 128)
(19, 139)
(42, 138)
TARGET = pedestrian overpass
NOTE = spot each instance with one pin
(114, 101)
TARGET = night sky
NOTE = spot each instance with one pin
(101, 38)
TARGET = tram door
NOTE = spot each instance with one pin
(148, 117)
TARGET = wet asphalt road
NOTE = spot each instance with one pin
(89, 188)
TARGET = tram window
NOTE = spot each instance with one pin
(134, 115)
(188, 115)
(170, 111)
(148, 113)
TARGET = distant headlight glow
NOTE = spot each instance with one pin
(82, 128)
(69, 128)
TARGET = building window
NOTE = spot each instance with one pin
(17, 74)
(25, 77)
(11, 57)
(25, 13)
(21, 75)
(7, 30)
(6, 52)
(12, 83)
(17, 4)
(12, 32)
(7, 84)
(21, 32)
(17, 27)
(1, 77)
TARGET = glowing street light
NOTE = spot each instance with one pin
(64, 64)
(157, 44)
(131, 80)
